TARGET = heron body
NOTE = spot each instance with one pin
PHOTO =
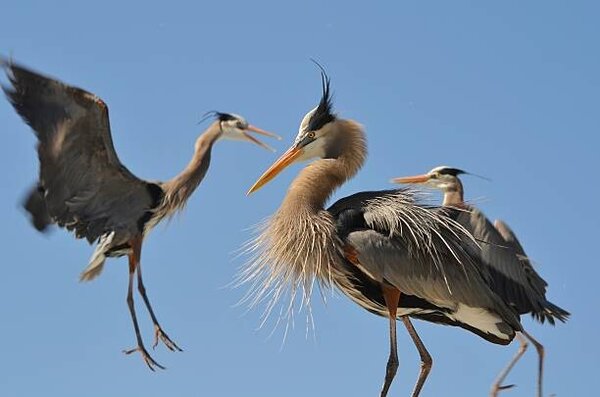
(381, 249)
(83, 186)
(513, 277)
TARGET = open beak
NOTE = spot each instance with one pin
(286, 159)
(257, 130)
(412, 179)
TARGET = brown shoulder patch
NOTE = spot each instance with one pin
(351, 254)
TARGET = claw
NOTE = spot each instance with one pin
(498, 388)
(506, 387)
(145, 356)
(161, 335)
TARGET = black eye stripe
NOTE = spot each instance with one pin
(451, 171)
(225, 116)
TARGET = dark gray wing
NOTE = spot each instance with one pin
(510, 239)
(84, 186)
(510, 279)
(35, 204)
(536, 281)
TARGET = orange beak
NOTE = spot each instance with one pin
(261, 132)
(286, 159)
(412, 179)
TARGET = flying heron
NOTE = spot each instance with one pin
(85, 188)
(513, 277)
(382, 249)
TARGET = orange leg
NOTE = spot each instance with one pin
(134, 259)
(392, 297)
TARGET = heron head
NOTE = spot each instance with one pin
(235, 127)
(443, 178)
(317, 136)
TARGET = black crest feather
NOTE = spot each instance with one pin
(323, 114)
(458, 171)
(217, 115)
(451, 171)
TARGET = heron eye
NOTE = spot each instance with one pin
(311, 135)
(240, 125)
(433, 176)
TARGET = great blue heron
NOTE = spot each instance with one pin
(85, 188)
(388, 254)
(514, 278)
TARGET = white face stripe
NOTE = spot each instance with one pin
(304, 124)
(438, 169)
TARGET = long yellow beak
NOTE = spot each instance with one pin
(412, 179)
(261, 132)
(286, 159)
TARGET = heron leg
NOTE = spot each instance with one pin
(426, 360)
(540, 350)
(159, 334)
(133, 263)
(497, 386)
(392, 297)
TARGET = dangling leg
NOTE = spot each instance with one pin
(133, 262)
(391, 296)
(497, 386)
(158, 332)
(540, 349)
(426, 361)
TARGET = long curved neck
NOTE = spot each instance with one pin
(180, 188)
(454, 196)
(315, 183)
(298, 246)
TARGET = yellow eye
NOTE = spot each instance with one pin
(311, 135)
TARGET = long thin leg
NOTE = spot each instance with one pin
(540, 350)
(158, 331)
(133, 262)
(426, 360)
(392, 297)
(497, 386)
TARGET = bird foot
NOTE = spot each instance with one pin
(505, 387)
(499, 388)
(145, 356)
(161, 335)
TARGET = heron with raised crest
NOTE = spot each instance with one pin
(382, 249)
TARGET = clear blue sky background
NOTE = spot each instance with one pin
(509, 91)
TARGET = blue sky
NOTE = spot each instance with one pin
(509, 91)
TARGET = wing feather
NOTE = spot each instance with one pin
(84, 185)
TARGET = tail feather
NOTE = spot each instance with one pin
(551, 313)
(98, 258)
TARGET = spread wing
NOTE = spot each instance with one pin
(83, 186)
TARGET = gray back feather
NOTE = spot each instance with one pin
(424, 253)
(517, 283)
